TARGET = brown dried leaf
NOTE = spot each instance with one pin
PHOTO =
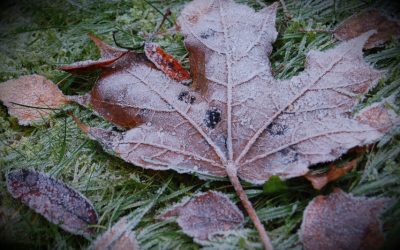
(334, 173)
(119, 237)
(57, 202)
(108, 53)
(378, 117)
(205, 214)
(31, 98)
(239, 117)
(342, 222)
(365, 21)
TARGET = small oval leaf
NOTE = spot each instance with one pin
(31, 98)
(57, 202)
(205, 214)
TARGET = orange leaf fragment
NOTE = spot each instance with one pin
(365, 21)
(341, 221)
(31, 98)
(166, 63)
(334, 173)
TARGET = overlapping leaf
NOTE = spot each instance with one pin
(119, 237)
(334, 173)
(57, 202)
(205, 214)
(31, 98)
(386, 28)
(341, 221)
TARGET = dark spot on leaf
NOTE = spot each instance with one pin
(285, 151)
(213, 116)
(186, 83)
(30, 179)
(206, 34)
(186, 97)
(293, 157)
(143, 112)
(288, 155)
(276, 129)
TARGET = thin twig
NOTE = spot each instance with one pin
(33, 107)
(165, 16)
(149, 37)
(232, 174)
(159, 11)
(118, 44)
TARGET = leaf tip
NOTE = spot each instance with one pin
(85, 128)
(378, 117)
(359, 41)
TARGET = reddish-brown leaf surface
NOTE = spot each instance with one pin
(205, 214)
(35, 91)
(319, 181)
(340, 221)
(57, 202)
(166, 63)
(119, 237)
(373, 19)
(241, 116)
(108, 53)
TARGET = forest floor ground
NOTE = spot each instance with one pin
(38, 36)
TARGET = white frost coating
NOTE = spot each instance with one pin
(205, 214)
(242, 115)
(32, 90)
(54, 200)
(342, 221)
(119, 237)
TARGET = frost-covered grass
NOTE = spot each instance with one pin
(38, 36)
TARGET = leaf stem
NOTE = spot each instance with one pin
(231, 170)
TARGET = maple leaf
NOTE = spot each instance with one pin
(240, 121)
(256, 125)
(357, 216)
(57, 202)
